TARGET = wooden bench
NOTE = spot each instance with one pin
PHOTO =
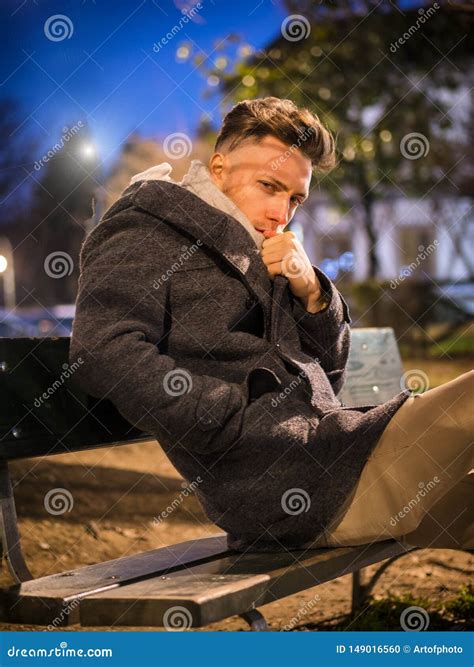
(190, 584)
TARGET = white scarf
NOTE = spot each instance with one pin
(198, 180)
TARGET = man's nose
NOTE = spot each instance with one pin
(278, 213)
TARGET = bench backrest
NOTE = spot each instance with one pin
(42, 412)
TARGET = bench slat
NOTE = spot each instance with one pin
(227, 586)
(42, 600)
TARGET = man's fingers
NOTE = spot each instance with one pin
(273, 241)
(272, 256)
(274, 269)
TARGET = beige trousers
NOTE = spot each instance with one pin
(416, 485)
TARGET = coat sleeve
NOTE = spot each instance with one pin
(119, 325)
(326, 335)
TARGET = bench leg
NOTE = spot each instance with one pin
(358, 592)
(361, 591)
(255, 619)
(11, 545)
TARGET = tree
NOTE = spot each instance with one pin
(380, 77)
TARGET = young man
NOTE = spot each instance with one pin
(206, 325)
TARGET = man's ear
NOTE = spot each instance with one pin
(216, 167)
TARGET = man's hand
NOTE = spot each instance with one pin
(283, 254)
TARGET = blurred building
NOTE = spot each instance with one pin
(421, 238)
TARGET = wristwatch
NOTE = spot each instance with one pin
(323, 301)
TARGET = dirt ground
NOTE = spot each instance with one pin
(118, 491)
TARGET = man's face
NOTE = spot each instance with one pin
(266, 180)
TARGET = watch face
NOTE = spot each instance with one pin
(324, 302)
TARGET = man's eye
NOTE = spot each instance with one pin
(267, 185)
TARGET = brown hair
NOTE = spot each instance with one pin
(281, 118)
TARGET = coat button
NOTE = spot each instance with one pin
(206, 420)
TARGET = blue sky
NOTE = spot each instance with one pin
(107, 72)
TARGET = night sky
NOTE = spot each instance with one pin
(107, 73)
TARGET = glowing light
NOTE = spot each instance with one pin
(349, 153)
(221, 62)
(88, 150)
(183, 52)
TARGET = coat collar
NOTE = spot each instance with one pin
(216, 230)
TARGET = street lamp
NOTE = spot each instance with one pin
(7, 273)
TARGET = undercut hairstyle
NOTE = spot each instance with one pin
(297, 127)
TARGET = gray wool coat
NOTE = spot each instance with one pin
(179, 325)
